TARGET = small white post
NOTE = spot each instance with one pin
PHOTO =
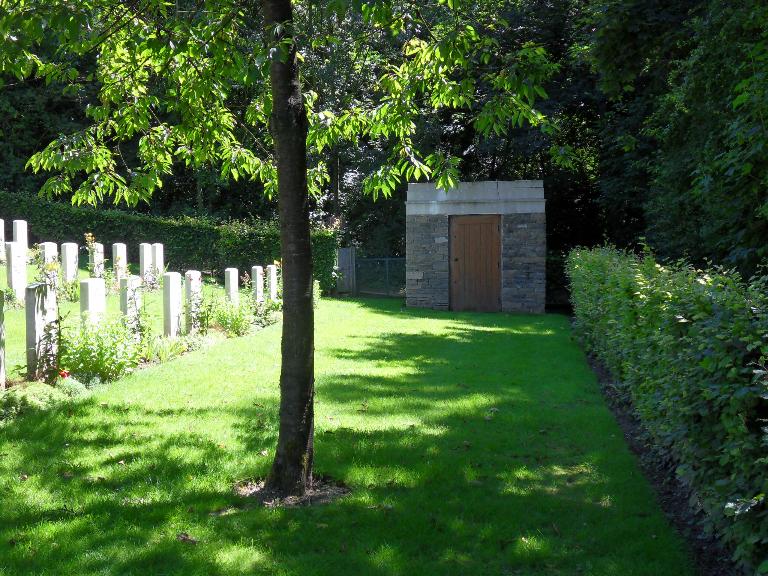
(69, 261)
(16, 269)
(272, 273)
(93, 300)
(20, 237)
(158, 259)
(130, 296)
(145, 262)
(231, 285)
(193, 295)
(119, 260)
(171, 304)
(96, 260)
(42, 335)
(257, 279)
(2, 340)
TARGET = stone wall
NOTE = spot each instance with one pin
(426, 267)
(523, 262)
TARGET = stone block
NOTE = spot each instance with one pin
(145, 263)
(158, 259)
(16, 269)
(119, 260)
(69, 261)
(2, 341)
(257, 279)
(96, 260)
(231, 285)
(93, 300)
(193, 297)
(130, 297)
(272, 279)
(2, 240)
(42, 329)
(171, 304)
(21, 238)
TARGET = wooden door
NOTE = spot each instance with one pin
(475, 254)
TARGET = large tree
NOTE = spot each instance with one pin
(216, 83)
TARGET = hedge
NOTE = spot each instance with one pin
(689, 349)
(190, 243)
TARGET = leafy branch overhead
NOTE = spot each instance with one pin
(190, 84)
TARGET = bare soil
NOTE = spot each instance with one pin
(323, 491)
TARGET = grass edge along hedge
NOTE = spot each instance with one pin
(689, 348)
(190, 243)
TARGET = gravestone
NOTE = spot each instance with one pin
(231, 285)
(93, 300)
(20, 237)
(96, 260)
(171, 304)
(130, 297)
(272, 275)
(42, 331)
(69, 261)
(158, 259)
(49, 254)
(145, 262)
(257, 278)
(2, 340)
(16, 269)
(193, 295)
(119, 261)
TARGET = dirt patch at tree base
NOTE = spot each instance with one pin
(324, 490)
(710, 557)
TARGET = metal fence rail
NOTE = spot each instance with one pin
(380, 276)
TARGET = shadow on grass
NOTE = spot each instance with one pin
(476, 445)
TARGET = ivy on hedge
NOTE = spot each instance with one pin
(190, 243)
(689, 348)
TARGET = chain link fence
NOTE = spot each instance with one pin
(380, 276)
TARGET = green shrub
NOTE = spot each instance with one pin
(190, 243)
(688, 347)
(29, 397)
(99, 352)
(234, 319)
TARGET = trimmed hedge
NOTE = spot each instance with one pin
(190, 243)
(689, 348)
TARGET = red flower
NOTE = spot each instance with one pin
(64, 373)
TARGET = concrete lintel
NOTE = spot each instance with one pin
(452, 208)
(489, 190)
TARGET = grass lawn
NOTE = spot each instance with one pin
(474, 444)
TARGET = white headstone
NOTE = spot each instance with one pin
(42, 333)
(2, 340)
(158, 259)
(193, 295)
(96, 260)
(16, 269)
(130, 296)
(2, 240)
(231, 285)
(49, 252)
(93, 300)
(145, 261)
(20, 237)
(171, 304)
(272, 275)
(257, 281)
(69, 261)
(119, 260)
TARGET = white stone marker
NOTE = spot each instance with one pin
(130, 296)
(193, 296)
(69, 261)
(231, 285)
(93, 300)
(2, 340)
(20, 237)
(49, 252)
(2, 240)
(145, 261)
(272, 273)
(96, 260)
(257, 281)
(16, 269)
(42, 334)
(119, 260)
(171, 304)
(158, 259)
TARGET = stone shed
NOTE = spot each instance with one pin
(479, 247)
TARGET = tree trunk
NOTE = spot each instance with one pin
(291, 472)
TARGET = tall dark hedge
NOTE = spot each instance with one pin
(190, 243)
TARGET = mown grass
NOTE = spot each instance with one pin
(473, 444)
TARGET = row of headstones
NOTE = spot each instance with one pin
(42, 309)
